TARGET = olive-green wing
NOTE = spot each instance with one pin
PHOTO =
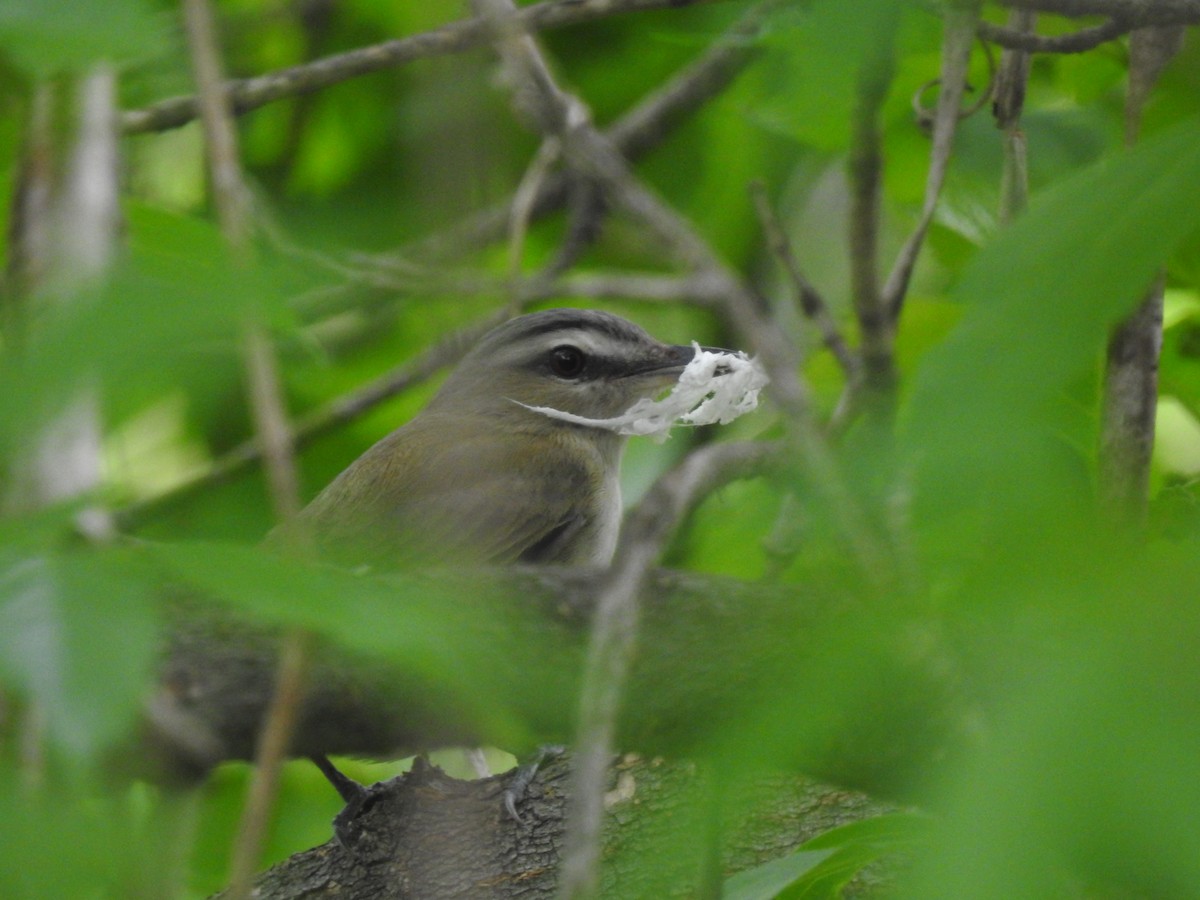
(436, 491)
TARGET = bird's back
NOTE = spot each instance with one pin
(443, 491)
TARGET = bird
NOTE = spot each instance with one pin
(482, 476)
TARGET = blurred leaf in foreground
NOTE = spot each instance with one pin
(78, 629)
(53, 35)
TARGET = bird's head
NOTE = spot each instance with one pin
(585, 362)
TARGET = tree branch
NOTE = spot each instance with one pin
(429, 835)
(865, 168)
(1142, 12)
(425, 675)
(1011, 82)
(1016, 38)
(1130, 400)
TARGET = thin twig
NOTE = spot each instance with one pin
(1150, 51)
(694, 289)
(961, 21)
(29, 212)
(1014, 37)
(807, 297)
(247, 94)
(614, 636)
(925, 117)
(272, 431)
(231, 200)
(1009, 103)
(87, 218)
(521, 211)
(865, 169)
(274, 741)
(1144, 13)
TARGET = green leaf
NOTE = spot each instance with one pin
(77, 635)
(167, 319)
(48, 36)
(855, 846)
(1084, 784)
(987, 419)
(442, 647)
(769, 879)
(823, 866)
(816, 51)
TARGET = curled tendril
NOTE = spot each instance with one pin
(926, 114)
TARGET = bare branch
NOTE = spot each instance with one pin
(1011, 82)
(1128, 411)
(1150, 51)
(650, 287)
(956, 53)
(442, 833)
(865, 168)
(250, 93)
(807, 297)
(1144, 13)
(926, 117)
(231, 199)
(521, 211)
(1017, 38)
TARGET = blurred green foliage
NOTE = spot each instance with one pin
(1073, 774)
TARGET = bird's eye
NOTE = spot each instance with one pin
(567, 361)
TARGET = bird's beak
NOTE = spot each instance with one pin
(666, 362)
(669, 361)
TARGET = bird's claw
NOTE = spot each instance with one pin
(519, 784)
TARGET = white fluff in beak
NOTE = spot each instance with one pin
(715, 387)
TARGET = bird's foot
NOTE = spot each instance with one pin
(523, 778)
(358, 799)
